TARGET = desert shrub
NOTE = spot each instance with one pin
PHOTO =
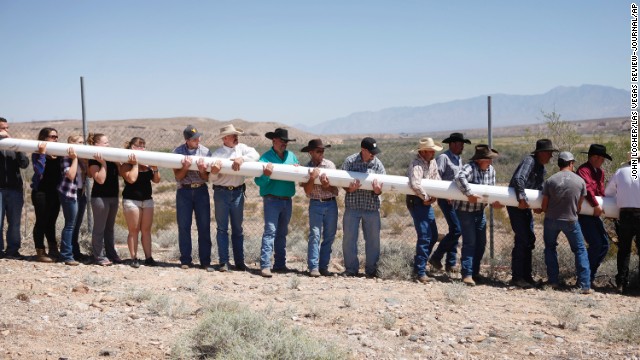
(95, 280)
(234, 332)
(568, 314)
(163, 219)
(388, 320)
(623, 329)
(138, 295)
(294, 283)
(396, 259)
(167, 306)
(455, 293)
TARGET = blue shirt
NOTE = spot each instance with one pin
(529, 175)
(269, 186)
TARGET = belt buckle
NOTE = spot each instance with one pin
(195, 186)
(230, 188)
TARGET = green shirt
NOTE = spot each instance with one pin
(277, 187)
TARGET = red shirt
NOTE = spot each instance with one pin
(594, 179)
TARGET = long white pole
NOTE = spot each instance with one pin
(340, 178)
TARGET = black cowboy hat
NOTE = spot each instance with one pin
(454, 137)
(597, 149)
(484, 152)
(544, 145)
(314, 144)
(279, 133)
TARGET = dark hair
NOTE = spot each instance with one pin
(564, 163)
(44, 132)
(3, 119)
(93, 137)
(133, 141)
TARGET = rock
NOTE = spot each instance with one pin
(80, 289)
(353, 332)
(108, 352)
(559, 340)
(97, 305)
(477, 338)
(81, 306)
(413, 338)
(538, 335)
(108, 298)
(404, 331)
(5, 332)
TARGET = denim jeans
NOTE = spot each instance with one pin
(448, 244)
(598, 240)
(628, 228)
(188, 202)
(474, 241)
(69, 211)
(47, 207)
(370, 230)
(424, 222)
(323, 223)
(571, 229)
(524, 242)
(11, 203)
(104, 222)
(229, 205)
(82, 206)
(277, 214)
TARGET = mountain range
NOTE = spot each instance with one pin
(571, 102)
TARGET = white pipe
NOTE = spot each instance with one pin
(340, 178)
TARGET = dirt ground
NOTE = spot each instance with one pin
(53, 311)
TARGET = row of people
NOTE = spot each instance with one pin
(464, 218)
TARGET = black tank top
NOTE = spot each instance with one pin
(110, 187)
(140, 189)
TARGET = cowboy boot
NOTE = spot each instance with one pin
(41, 256)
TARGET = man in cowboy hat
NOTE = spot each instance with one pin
(471, 212)
(276, 195)
(422, 167)
(362, 206)
(529, 174)
(592, 226)
(562, 196)
(627, 194)
(323, 209)
(228, 196)
(449, 163)
(192, 197)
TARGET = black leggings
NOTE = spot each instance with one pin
(47, 208)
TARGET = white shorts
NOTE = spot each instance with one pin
(137, 204)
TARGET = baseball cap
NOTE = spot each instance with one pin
(190, 132)
(566, 156)
(370, 144)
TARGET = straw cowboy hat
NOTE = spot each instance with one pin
(314, 144)
(597, 149)
(428, 144)
(279, 133)
(544, 145)
(229, 130)
(455, 137)
(484, 152)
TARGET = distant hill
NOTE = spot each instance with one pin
(573, 103)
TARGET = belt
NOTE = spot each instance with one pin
(633, 210)
(277, 197)
(325, 200)
(230, 188)
(191, 186)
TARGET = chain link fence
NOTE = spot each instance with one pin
(397, 225)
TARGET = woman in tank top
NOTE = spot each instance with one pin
(137, 202)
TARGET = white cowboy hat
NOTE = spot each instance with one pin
(229, 130)
(428, 144)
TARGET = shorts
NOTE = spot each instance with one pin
(137, 204)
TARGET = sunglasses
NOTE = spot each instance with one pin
(53, 136)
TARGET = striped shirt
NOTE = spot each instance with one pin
(529, 175)
(362, 199)
(420, 169)
(471, 174)
(193, 176)
(318, 192)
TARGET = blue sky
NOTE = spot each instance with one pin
(296, 61)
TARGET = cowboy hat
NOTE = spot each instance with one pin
(428, 144)
(314, 144)
(279, 133)
(544, 145)
(229, 130)
(597, 149)
(484, 152)
(455, 137)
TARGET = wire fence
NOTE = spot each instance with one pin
(397, 224)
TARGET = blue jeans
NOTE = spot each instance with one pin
(474, 241)
(69, 211)
(524, 242)
(11, 202)
(370, 230)
(448, 244)
(277, 213)
(323, 223)
(424, 222)
(229, 205)
(571, 230)
(82, 206)
(188, 202)
(597, 239)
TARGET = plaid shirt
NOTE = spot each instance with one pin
(193, 176)
(529, 175)
(362, 199)
(471, 174)
(67, 187)
(318, 192)
(448, 165)
(420, 169)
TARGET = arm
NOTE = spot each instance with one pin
(70, 167)
(519, 180)
(98, 172)
(462, 182)
(545, 203)
(309, 185)
(22, 159)
(591, 184)
(182, 172)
